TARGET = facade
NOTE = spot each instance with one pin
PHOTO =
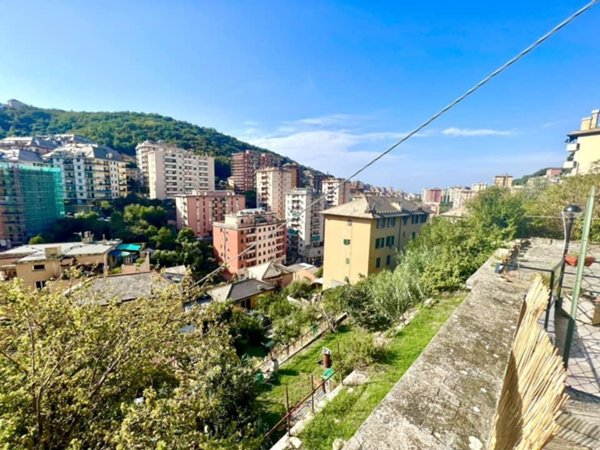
(31, 200)
(334, 195)
(462, 196)
(503, 181)
(40, 263)
(244, 166)
(364, 236)
(479, 186)
(248, 238)
(271, 186)
(583, 146)
(294, 170)
(90, 172)
(167, 170)
(199, 211)
(431, 196)
(305, 225)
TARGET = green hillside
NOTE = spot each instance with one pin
(123, 131)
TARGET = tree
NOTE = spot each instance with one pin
(37, 240)
(186, 235)
(76, 375)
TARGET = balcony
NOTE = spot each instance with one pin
(573, 146)
(569, 164)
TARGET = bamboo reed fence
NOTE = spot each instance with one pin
(533, 391)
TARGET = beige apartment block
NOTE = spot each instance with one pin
(271, 186)
(503, 181)
(336, 193)
(168, 170)
(583, 146)
(364, 236)
(199, 211)
(40, 263)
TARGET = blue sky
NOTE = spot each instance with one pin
(328, 83)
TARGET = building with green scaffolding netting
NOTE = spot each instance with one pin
(31, 200)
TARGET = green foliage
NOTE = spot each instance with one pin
(119, 376)
(124, 130)
(547, 206)
(37, 240)
(499, 209)
(359, 351)
(299, 289)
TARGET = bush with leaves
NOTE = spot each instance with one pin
(360, 351)
(79, 375)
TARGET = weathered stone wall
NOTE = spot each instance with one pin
(448, 398)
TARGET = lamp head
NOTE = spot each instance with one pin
(571, 212)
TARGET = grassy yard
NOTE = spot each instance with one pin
(295, 374)
(342, 417)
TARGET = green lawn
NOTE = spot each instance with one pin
(342, 417)
(295, 374)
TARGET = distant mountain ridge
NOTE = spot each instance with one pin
(122, 130)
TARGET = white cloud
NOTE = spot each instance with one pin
(333, 151)
(469, 132)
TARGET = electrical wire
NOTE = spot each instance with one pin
(424, 124)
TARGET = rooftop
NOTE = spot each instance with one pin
(267, 270)
(127, 287)
(240, 290)
(37, 252)
(371, 207)
(87, 150)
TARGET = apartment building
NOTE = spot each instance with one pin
(431, 196)
(271, 186)
(305, 225)
(31, 199)
(90, 172)
(245, 164)
(167, 170)
(583, 146)
(37, 264)
(479, 186)
(364, 236)
(313, 180)
(257, 235)
(503, 181)
(199, 211)
(334, 195)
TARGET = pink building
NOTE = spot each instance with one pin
(200, 211)
(553, 172)
(240, 231)
(433, 195)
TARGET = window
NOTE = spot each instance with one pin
(388, 260)
(378, 263)
(40, 284)
(347, 260)
(389, 241)
(404, 220)
(414, 235)
(414, 219)
(391, 222)
(39, 267)
(424, 218)
(346, 241)
(349, 222)
(379, 243)
(381, 223)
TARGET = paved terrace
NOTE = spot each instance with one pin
(584, 362)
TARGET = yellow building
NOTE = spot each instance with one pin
(583, 146)
(363, 237)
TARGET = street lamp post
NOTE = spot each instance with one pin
(569, 214)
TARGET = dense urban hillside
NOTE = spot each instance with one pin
(121, 130)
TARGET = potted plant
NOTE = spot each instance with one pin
(572, 260)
